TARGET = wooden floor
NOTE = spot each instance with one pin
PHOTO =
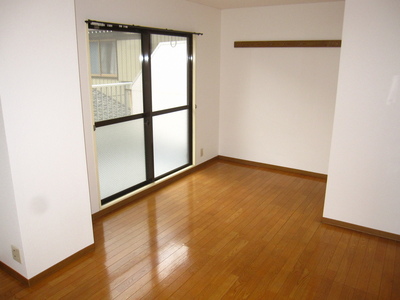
(225, 232)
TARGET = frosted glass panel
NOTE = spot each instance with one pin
(168, 71)
(121, 156)
(170, 141)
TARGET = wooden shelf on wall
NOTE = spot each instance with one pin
(284, 44)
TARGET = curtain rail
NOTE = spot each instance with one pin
(126, 27)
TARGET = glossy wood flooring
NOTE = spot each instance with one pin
(225, 232)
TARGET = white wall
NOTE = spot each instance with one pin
(43, 128)
(172, 14)
(277, 104)
(9, 226)
(364, 169)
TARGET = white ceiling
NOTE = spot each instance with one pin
(222, 4)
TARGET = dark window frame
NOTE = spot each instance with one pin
(148, 113)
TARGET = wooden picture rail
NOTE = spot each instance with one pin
(283, 44)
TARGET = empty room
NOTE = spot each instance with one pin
(200, 149)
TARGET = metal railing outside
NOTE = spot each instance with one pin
(112, 100)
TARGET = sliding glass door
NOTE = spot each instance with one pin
(142, 106)
(170, 109)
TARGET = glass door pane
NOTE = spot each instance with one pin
(169, 61)
(116, 72)
(117, 93)
(121, 156)
(171, 144)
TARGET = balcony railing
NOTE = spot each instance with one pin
(112, 100)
